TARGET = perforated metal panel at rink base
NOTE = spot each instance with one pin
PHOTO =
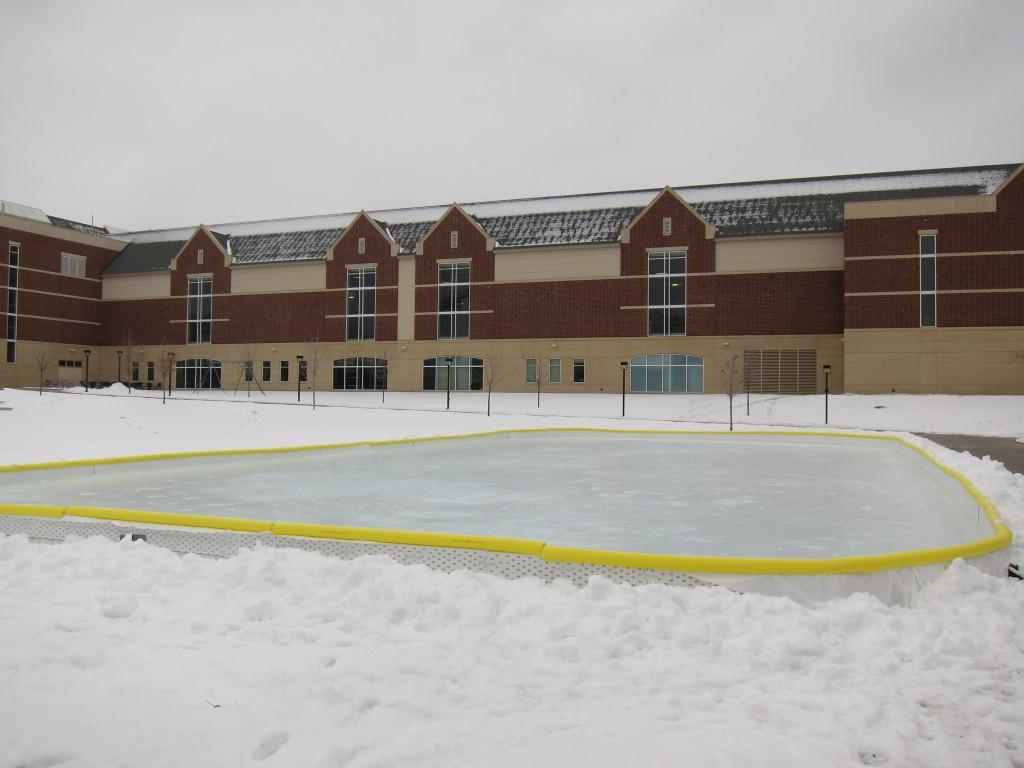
(217, 543)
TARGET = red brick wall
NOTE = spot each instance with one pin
(472, 248)
(279, 317)
(43, 252)
(782, 303)
(883, 311)
(147, 320)
(583, 309)
(1002, 230)
(980, 309)
(687, 232)
(213, 264)
(378, 252)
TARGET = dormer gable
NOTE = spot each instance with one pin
(489, 242)
(212, 245)
(360, 226)
(658, 204)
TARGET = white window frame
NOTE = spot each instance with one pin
(199, 256)
(554, 370)
(199, 323)
(72, 265)
(11, 304)
(451, 312)
(531, 362)
(361, 246)
(933, 293)
(664, 303)
(666, 226)
(364, 331)
(453, 238)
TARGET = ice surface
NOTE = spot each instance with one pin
(768, 495)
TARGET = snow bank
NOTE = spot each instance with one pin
(122, 654)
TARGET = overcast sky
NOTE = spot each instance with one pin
(145, 114)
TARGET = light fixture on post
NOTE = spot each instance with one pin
(87, 352)
(119, 353)
(298, 377)
(625, 366)
(827, 369)
(448, 382)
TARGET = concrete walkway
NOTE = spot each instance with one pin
(1004, 449)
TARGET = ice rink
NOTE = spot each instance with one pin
(734, 495)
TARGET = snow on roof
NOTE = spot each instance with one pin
(24, 211)
(737, 209)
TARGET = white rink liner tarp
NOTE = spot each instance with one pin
(766, 495)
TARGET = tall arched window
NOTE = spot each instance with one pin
(466, 372)
(198, 373)
(360, 373)
(667, 373)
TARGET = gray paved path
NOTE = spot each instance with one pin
(1004, 449)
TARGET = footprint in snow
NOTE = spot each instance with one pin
(272, 742)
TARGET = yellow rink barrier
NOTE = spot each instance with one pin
(1001, 537)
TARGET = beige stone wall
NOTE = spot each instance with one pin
(24, 372)
(151, 286)
(977, 361)
(779, 254)
(406, 298)
(557, 263)
(925, 206)
(288, 277)
(602, 357)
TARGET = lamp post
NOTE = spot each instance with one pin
(87, 352)
(448, 382)
(624, 365)
(827, 369)
(119, 353)
(298, 377)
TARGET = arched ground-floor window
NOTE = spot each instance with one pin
(467, 373)
(360, 373)
(666, 373)
(197, 373)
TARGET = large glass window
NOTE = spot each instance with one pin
(927, 248)
(666, 373)
(361, 303)
(198, 373)
(14, 264)
(666, 293)
(200, 309)
(453, 301)
(360, 373)
(466, 373)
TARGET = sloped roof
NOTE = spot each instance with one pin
(145, 257)
(781, 206)
(78, 226)
(283, 246)
(156, 256)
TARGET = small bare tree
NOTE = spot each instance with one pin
(318, 353)
(541, 377)
(732, 378)
(130, 353)
(165, 365)
(43, 360)
(384, 353)
(493, 370)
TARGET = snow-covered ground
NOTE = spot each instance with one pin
(128, 655)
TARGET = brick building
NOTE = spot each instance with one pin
(900, 282)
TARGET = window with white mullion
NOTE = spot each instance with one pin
(927, 272)
(13, 265)
(453, 301)
(200, 309)
(361, 304)
(666, 293)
